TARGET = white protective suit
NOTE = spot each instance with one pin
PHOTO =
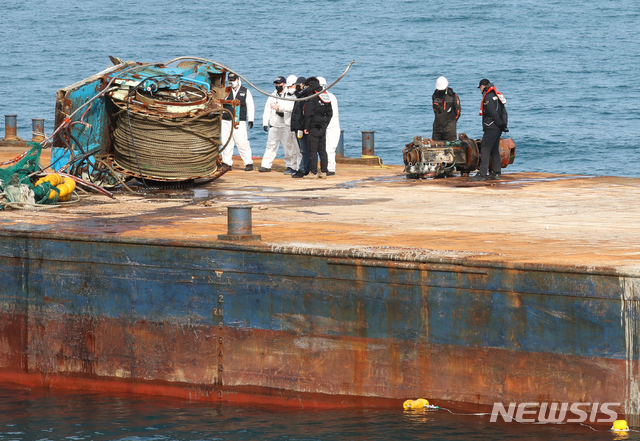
(279, 129)
(333, 130)
(292, 155)
(240, 135)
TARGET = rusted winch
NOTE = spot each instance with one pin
(426, 158)
(151, 121)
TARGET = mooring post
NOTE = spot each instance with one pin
(367, 143)
(37, 130)
(239, 224)
(10, 128)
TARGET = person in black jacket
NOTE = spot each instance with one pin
(317, 113)
(297, 127)
(446, 108)
(494, 122)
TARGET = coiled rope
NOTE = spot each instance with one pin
(177, 148)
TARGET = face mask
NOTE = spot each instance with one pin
(298, 87)
(235, 83)
(279, 89)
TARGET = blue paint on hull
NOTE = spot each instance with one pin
(513, 314)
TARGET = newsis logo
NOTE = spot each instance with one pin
(555, 412)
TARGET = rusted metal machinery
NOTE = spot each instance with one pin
(425, 158)
(146, 121)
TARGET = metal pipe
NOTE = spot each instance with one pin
(340, 148)
(367, 143)
(239, 224)
(10, 128)
(37, 130)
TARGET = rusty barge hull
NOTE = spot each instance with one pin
(309, 327)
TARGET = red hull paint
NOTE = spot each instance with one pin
(259, 367)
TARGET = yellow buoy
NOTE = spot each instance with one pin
(419, 404)
(66, 187)
(620, 426)
(415, 404)
(54, 178)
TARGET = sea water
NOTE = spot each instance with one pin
(569, 69)
(27, 415)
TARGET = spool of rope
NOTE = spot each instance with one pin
(167, 148)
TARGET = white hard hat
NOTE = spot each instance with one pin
(291, 80)
(322, 81)
(442, 83)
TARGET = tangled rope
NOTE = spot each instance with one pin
(177, 148)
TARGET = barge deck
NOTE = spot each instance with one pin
(366, 288)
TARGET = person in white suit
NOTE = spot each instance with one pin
(333, 131)
(292, 155)
(274, 121)
(246, 116)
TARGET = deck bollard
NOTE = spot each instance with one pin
(10, 128)
(239, 224)
(340, 148)
(367, 144)
(37, 130)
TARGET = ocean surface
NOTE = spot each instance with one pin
(49, 415)
(569, 69)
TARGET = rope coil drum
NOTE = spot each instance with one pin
(167, 148)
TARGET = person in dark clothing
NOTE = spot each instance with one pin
(494, 122)
(446, 107)
(297, 127)
(317, 113)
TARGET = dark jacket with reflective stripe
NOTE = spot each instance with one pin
(446, 107)
(242, 96)
(494, 113)
(317, 113)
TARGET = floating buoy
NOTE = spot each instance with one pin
(620, 426)
(418, 404)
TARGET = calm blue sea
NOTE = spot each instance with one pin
(569, 69)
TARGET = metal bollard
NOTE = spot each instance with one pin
(239, 224)
(10, 128)
(340, 148)
(37, 130)
(367, 143)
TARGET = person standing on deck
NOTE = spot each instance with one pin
(317, 115)
(292, 156)
(333, 131)
(274, 122)
(446, 107)
(494, 122)
(297, 128)
(246, 117)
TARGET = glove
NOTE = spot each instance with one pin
(250, 124)
(265, 128)
(505, 129)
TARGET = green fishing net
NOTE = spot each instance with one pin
(15, 185)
